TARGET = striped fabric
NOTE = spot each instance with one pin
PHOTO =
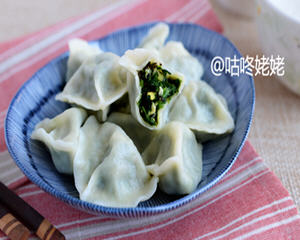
(249, 202)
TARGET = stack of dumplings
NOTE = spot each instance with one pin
(136, 121)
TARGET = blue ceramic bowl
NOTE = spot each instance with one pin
(35, 101)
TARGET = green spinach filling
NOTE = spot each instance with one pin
(158, 86)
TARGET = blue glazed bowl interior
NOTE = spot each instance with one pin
(35, 101)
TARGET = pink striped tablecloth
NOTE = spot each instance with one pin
(248, 203)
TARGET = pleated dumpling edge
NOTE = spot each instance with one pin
(60, 134)
(108, 169)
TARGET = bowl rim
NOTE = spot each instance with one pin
(129, 211)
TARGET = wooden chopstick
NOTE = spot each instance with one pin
(28, 215)
(11, 226)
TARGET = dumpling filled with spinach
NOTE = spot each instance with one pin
(152, 88)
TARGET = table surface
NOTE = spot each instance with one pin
(275, 131)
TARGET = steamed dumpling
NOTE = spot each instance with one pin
(173, 55)
(176, 158)
(202, 110)
(152, 88)
(108, 169)
(178, 59)
(140, 135)
(91, 152)
(61, 135)
(99, 82)
(80, 50)
(156, 37)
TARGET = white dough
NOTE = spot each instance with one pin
(61, 135)
(108, 169)
(80, 50)
(99, 82)
(156, 37)
(176, 158)
(178, 59)
(202, 110)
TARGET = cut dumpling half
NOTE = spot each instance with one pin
(178, 59)
(152, 88)
(61, 135)
(140, 135)
(80, 50)
(176, 158)
(108, 169)
(99, 81)
(173, 54)
(156, 37)
(202, 110)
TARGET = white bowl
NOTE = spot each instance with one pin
(278, 24)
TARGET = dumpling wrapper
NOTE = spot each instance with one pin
(173, 53)
(61, 135)
(140, 135)
(91, 151)
(202, 110)
(80, 50)
(134, 61)
(178, 59)
(101, 115)
(108, 169)
(99, 82)
(176, 158)
(156, 37)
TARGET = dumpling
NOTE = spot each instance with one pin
(108, 169)
(80, 50)
(140, 135)
(176, 158)
(202, 110)
(61, 135)
(173, 55)
(99, 81)
(92, 149)
(177, 58)
(152, 88)
(156, 37)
